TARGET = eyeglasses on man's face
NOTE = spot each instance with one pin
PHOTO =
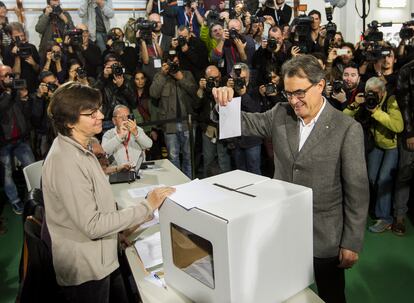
(93, 114)
(298, 94)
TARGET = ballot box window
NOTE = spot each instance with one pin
(193, 255)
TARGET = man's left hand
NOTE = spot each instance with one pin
(347, 258)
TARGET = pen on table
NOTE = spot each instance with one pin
(162, 282)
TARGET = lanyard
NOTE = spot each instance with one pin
(159, 43)
(125, 143)
(189, 22)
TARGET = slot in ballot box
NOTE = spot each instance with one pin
(246, 238)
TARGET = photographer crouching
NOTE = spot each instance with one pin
(386, 123)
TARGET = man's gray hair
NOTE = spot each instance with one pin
(243, 67)
(305, 67)
(119, 106)
(375, 82)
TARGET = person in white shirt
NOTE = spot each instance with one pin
(126, 140)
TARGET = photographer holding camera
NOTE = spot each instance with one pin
(246, 149)
(80, 47)
(338, 58)
(382, 163)
(175, 89)
(126, 141)
(22, 57)
(52, 24)
(152, 43)
(128, 56)
(191, 16)
(55, 61)
(191, 51)
(115, 87)
(78, 74)
(14, 133)
(96, 14)
(41, 123)
(233, 47)
(212, 146)
(168, 11)
(277, 9)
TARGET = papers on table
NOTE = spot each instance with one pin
(196, 193)
(149, 250)
(141, 192)
(229, 119)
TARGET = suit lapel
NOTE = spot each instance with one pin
(292, 131)
(321, 128)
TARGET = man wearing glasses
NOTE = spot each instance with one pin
(318, 147)
(126, 140)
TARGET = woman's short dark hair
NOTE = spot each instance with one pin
(305, 67)
(68, 101)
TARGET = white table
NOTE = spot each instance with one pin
(150, 293)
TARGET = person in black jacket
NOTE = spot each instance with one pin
(40, 121)
(115, 87)
(23, 57)
(14, 134)
(192, 52)
(278, 9)
(212, 146)
(247, 149)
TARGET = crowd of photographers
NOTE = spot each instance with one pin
(162, 69)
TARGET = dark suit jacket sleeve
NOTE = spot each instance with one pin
(355, 188)
(257, 124)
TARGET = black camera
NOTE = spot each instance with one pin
(56, 56)
(257, 19)
(131, 117)
(117, 69)
(239, 82)
(181, 41)
(51, 87)
(146, 28)
(303, 30)
(24, 52)
(272, 44)
(233, 34)
(15, 83)
(406, 32)
(81, 73)
(337, 86)
(374, 35)
(271, 88)
(375, 51)
(214, 18)
(174, 67)
(118, 45)
(75, 36)
(211, 83)
(56, 11)
(371, 100)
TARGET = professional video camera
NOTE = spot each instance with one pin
(371, 100)
(23, 48)
(15, 83)
(374, 50)
(303, 30)
(146, 28)
(117, 69)
(239, 82)
(118, 45)
(374, 34)
(406, 32)
(75, 36)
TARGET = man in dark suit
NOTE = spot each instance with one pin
(319, 147)
(279, 10)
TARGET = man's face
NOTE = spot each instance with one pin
(156, 18)
(213, 73)
(377, 90)
(236, 25)
(337, 39)
(280, 2)
(185, 33)
(316, 21)
(109, 64)
(308, 106)
(389, 61)
(277, 34)
(18, 35)
(3, 12)
(54, 2)
(351, 78)
(348, 56)
(217, 31)
(120, 117)
(4, 74)
(50, 80)
(257, 29)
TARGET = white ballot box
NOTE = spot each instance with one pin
(238, 237)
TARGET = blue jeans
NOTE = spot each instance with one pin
(101, 41)
(382, 169)
(248, 159)
(22, 151)
(210, 150)
(176, 143)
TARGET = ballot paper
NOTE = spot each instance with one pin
(149, 250)
(141, 192)
(196, 193)
(230, 119)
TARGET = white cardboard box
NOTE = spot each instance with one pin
(261, 246)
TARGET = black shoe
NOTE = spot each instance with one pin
(398, 227)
